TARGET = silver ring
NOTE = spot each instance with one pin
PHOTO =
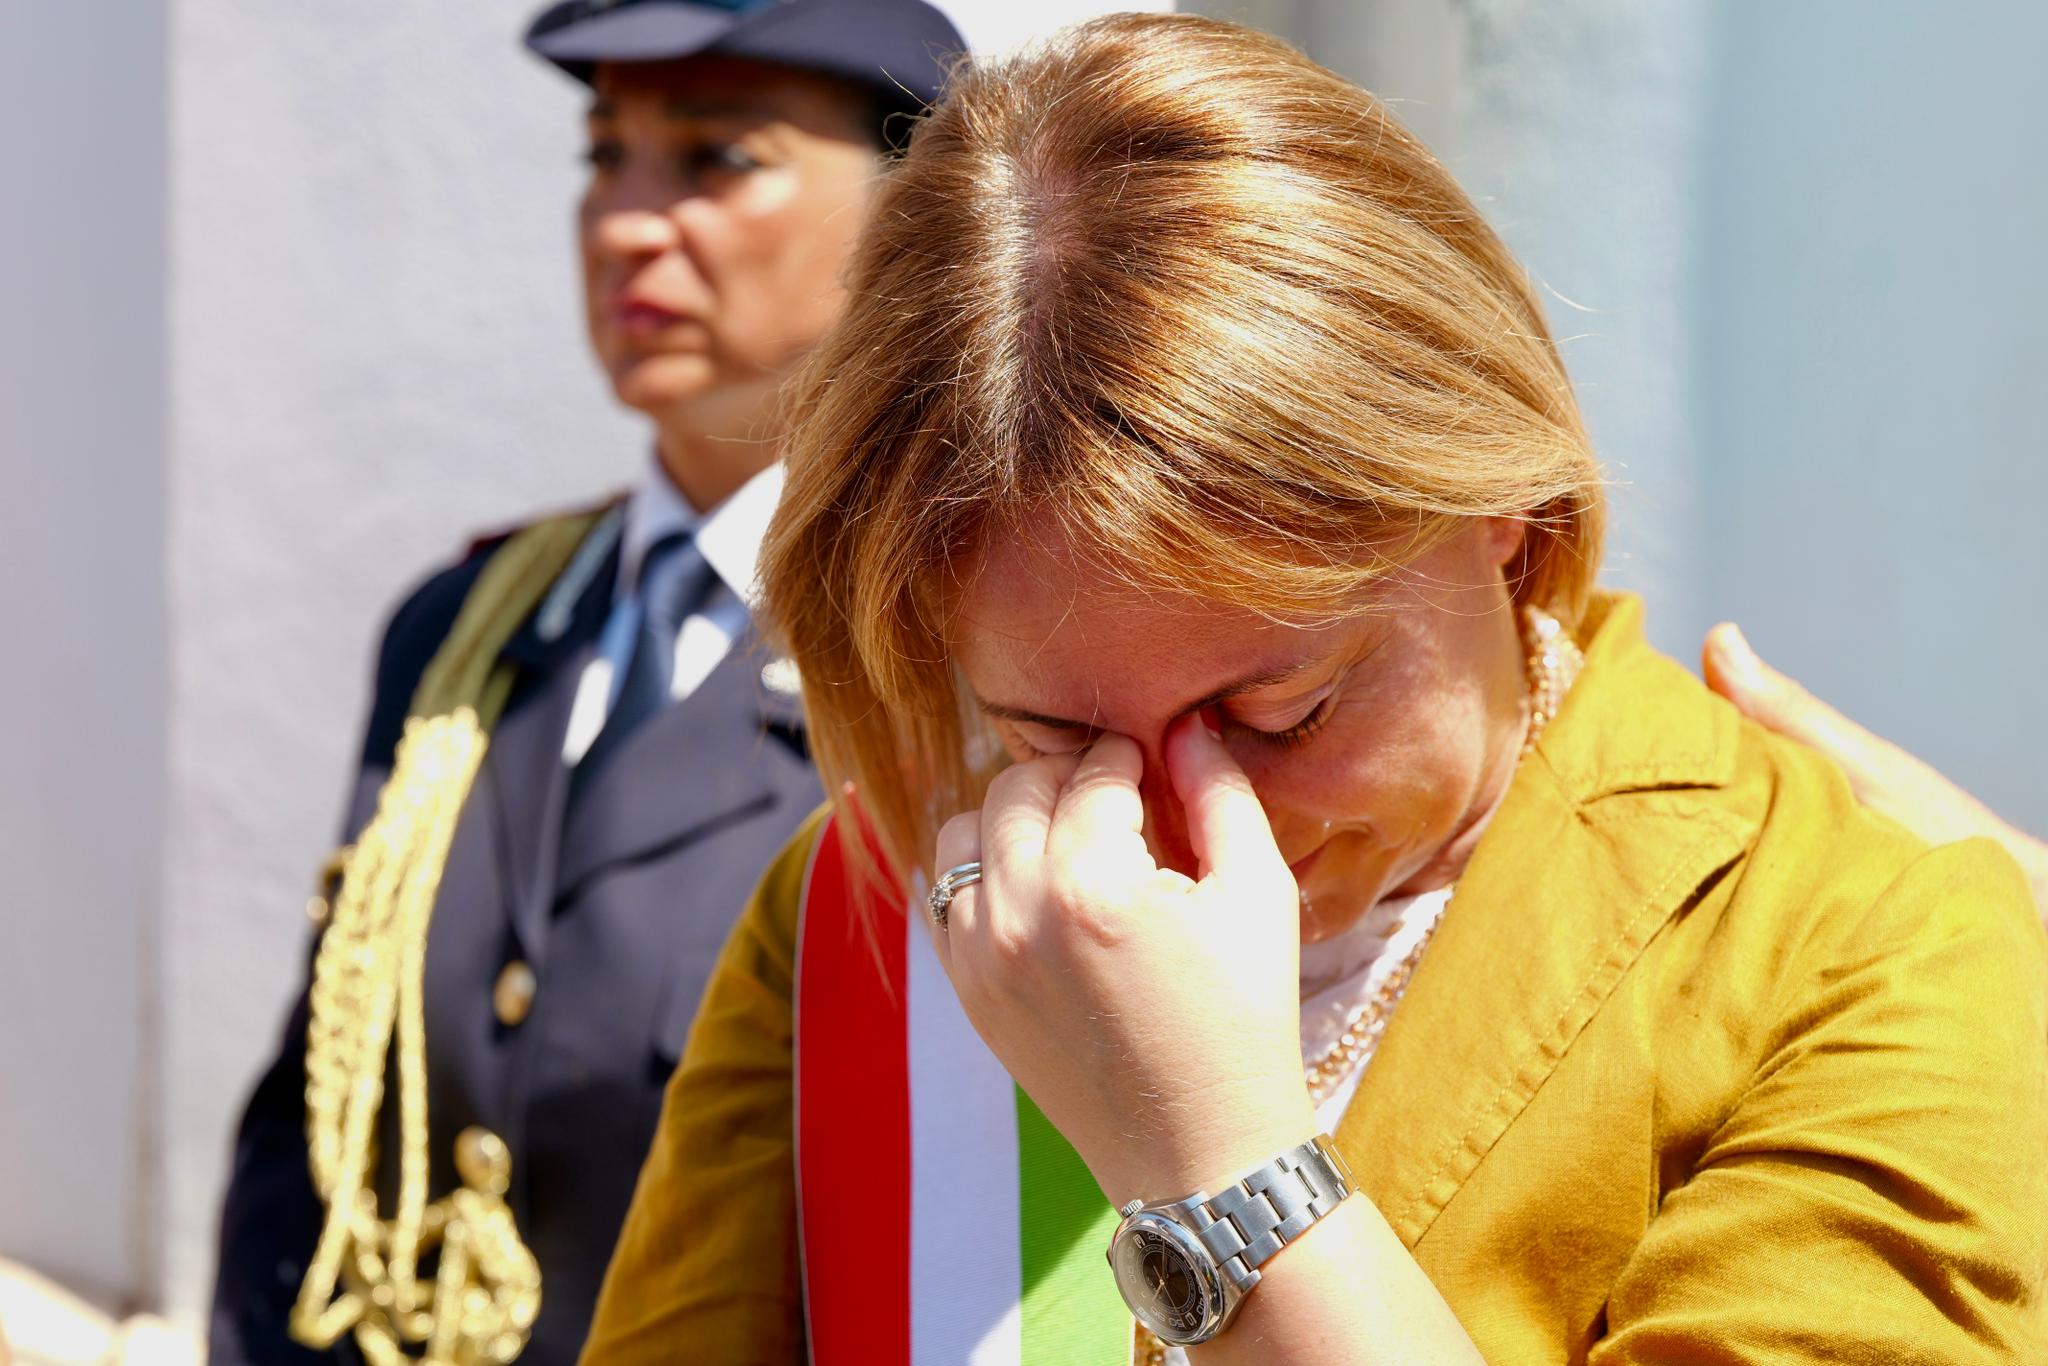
(950, 882)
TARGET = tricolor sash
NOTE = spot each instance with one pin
(942, 1218)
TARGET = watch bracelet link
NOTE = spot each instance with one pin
(1266, 1209)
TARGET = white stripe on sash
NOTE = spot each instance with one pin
(966, 1268)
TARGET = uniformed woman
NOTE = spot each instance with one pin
(575, 763)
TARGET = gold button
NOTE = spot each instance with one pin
(483, 1160)
(512, 997)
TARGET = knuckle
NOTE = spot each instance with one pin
(1004, 784)
(1009, 948)
(1087, 901)
(1050, 772)
(1089, 781)
(1029, 783)
(961, 832)
(1069, 877)
(1235, 783)
(1008, 828)
(1793, 695)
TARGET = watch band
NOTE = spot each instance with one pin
(1266, 1209)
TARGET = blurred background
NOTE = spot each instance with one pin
(288, 311)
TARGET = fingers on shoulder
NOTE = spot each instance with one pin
(1781, 703)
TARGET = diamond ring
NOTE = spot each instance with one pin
(950, 882)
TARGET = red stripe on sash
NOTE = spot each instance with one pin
(852, 1116)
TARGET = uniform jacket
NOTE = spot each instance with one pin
(1706, 1063)
(617, 899)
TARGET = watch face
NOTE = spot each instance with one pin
(1166, 1287)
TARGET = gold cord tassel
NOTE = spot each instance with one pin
(369, 977)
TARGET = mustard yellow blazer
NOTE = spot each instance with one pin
(1706, 1064)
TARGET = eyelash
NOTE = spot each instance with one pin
(1295, 736)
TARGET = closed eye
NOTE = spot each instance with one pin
(1042, 740)
(1300, 733)
(1322, 704)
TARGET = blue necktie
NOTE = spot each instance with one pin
(673, 580)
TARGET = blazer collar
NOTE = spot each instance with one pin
(1607, 831)
(698, 764)
(1635, 720)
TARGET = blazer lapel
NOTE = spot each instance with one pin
(697, 764)
(1593, 851)
(525, 780)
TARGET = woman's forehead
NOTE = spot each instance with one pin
(1031, 589)
(1038, 587)
(1039, 628)
(1058, 638)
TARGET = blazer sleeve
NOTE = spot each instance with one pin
(708, 1254)
(1875, 1195)
(271, 1218)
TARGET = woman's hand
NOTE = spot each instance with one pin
(1884, 777)
(1154, 1018)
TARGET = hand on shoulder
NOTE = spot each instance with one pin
(1884, 777)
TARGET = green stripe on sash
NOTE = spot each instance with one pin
(1073, 1315)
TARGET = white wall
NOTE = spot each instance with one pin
(996, 26)
(81, 625)
(1579, 136)
(1871, 307)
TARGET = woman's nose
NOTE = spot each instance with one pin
(626, 233)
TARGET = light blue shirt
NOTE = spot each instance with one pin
(729, 539)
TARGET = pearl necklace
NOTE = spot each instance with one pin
(1554, 664)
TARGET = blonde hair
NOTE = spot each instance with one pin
(1169, 291)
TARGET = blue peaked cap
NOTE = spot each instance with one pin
(901, 49)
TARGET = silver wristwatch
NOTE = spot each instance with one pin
(1185, 1267)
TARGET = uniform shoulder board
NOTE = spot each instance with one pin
(491, 540)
